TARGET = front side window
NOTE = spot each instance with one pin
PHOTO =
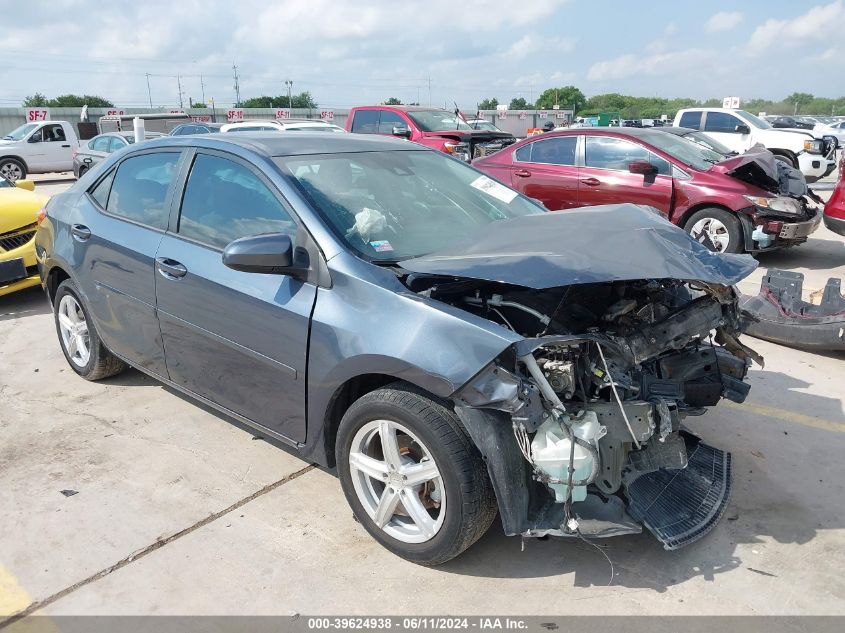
(365, 122)
(389, 206)
(388, 120)
(552, 151)
(53, 134)
(224, 201)
(721, 122)
(691, 120)
(604, 152)
(140, 186)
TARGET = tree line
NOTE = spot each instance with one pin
(629, 107)
(38, 100)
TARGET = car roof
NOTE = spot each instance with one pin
(403, 108)
(680, 131)
(271, 144)
(644, 133)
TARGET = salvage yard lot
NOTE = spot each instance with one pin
(179, 511)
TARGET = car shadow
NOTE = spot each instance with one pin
(24, 303)
(815, 254)
(779, 495)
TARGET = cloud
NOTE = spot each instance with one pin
(532, 44)
(658, 64)
(821, 23)
(723, 21)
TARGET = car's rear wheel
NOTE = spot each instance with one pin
(717, 229)
(81, 172)
(12, 169)
(412, 476)
(78, 337)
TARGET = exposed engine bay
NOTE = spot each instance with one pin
(593, 401)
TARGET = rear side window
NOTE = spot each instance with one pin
(721, 122)
(224, 201)
(552, 151)
(116, 144)
(140, 186)
(365, 122)
(691, 120)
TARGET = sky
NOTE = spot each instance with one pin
(355, 52)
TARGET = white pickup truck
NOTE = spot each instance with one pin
(740, 130)
(37, 148)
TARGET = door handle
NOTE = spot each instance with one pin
(593, 182)
(522, 173)
(65, 145)
(170, 268)
(80, 232)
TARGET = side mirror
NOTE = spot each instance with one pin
(642, 167)
(401, 130)
(742, 128)
(25, 184)
(35, 138)
(271, 253)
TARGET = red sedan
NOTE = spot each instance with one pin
(731, 204)
(834, 210)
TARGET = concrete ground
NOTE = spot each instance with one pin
(173, 509)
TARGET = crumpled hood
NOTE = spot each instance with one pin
(472, 135)
(759, 167)
(19, 208)
(617, 242)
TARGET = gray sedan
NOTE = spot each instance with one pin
(99, 147)
(446, 345)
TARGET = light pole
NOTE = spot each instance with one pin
(289, 84)
(149, 94)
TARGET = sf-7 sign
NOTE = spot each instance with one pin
(34, 115)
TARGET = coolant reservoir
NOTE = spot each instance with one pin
(550, 450)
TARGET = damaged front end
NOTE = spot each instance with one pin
(581, 421)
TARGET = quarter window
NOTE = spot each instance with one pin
(100, 193)
(552, 151)
(365, 122)
(721, 122)
(691, 120)
(140, 188)
(224, 201)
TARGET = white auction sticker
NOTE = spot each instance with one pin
(493, 188)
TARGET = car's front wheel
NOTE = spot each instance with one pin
(78, 337)
(412, 476)
(717, 229)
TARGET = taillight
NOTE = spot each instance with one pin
(42, 215)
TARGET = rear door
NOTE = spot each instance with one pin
(238, 339)
(116, 242)
(546, 170)
(722, 127)
(605, 178)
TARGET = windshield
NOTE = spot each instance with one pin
(753, 120)
(390, 206)
(709, 142)
(688, 152)
(438, 121)
(19, 133)
(484, 125)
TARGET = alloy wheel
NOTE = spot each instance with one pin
(397, 481)
(74, 330)
(717, 236)
(11, 171)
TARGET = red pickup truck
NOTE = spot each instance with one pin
(432, 127)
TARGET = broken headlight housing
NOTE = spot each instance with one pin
(789, 206)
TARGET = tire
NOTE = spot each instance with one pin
(460, 498)
(98, 363)
(712, 226)
(786, 159)
(82, 171)
(12, 169)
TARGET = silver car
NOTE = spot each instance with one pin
(95, 150)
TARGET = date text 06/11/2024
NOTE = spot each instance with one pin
(423, 623)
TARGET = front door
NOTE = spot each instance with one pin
(238, 339)
(722, 127)
(545, 170)
(605, 178)
(58, 154)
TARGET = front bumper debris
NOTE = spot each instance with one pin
(780, 315)
(798, 230)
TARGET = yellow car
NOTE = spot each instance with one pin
(19, 208)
